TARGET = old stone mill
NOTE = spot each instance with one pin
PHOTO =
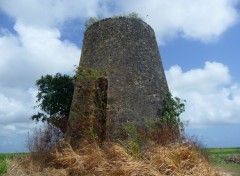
(121, 80)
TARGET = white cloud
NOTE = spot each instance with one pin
(24, 58)
(32, 53)
(49, 13)
(16, 105)
(37, 49)
(12, 110)
(18, 128)
(199, 19)
(212, 97)
(16, 108)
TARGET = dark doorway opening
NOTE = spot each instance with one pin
(101, 86)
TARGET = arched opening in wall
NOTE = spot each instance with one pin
(101, 86)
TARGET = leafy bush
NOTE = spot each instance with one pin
(169, 125)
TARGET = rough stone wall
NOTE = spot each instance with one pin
(126, 51)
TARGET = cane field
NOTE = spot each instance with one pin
(4, 158)
(226, 159)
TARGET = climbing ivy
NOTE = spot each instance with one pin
(88, 112)
(165, 129)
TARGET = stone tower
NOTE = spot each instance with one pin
(126, 52)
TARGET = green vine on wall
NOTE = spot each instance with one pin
(88, 115)
(165, 129)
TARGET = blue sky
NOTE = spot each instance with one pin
(198, 42)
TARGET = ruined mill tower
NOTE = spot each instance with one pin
(132, 82)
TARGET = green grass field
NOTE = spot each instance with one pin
(3, 160)
(226, 159)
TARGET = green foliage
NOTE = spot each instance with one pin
(133, 15)
(130, 130)
(83, 75)
(133, 138)
(167, 127)
(164, 130)
(3, 161)
(220, 157)
(172, 108)
(223, 151)
(89, 108)
(93, 20)
(3, 167)
(54, 99)
(134, 147)
(90, 21)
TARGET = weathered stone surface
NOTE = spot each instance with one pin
(126, 51)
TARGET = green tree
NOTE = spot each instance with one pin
(54, 99)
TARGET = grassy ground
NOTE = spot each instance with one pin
(3, 161)
(226, 159)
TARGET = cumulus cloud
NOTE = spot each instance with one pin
(50, 13)
(25, 56)
(212, 97)
(32, 53)
(15, 111)
(199, 19)
(36, 48)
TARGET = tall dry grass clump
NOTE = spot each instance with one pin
(111, 159)
(42, 141)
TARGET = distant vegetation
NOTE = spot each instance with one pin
(226, 159)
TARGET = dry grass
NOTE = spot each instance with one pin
(113, 160)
